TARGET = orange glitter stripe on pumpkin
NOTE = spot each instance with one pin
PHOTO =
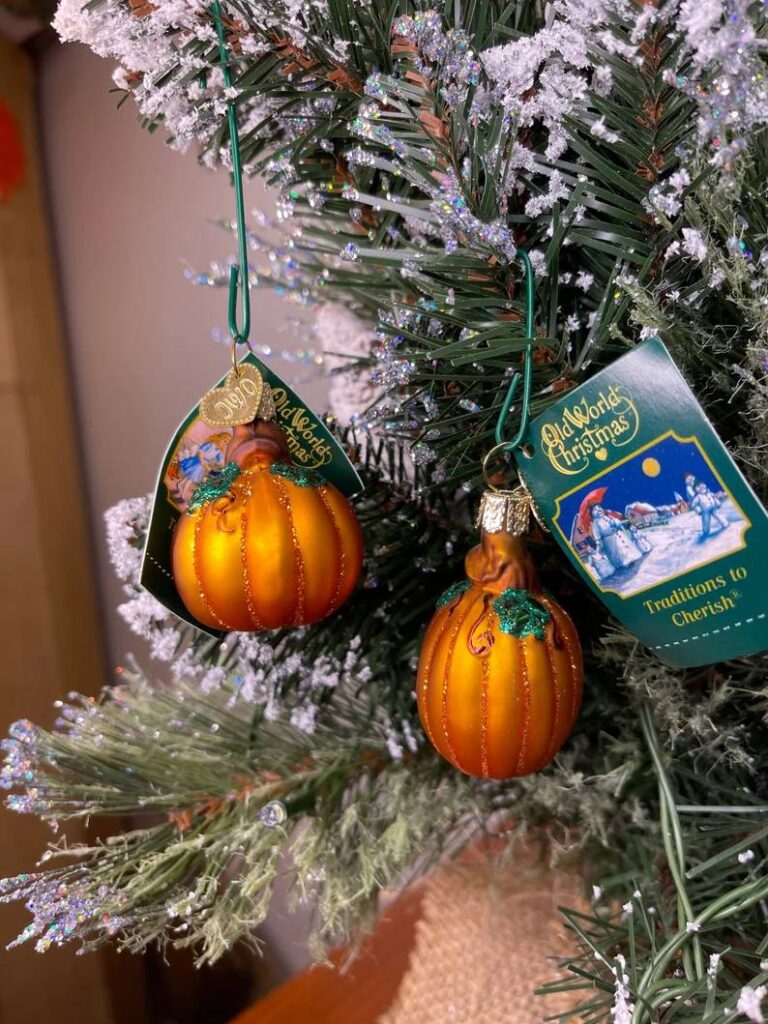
(575, 694)
(285, 501)
(558, 700)
(198, 579)
(444, 703)
(340, 575)
(484, 718)
(255, 620)
(425, 679)
(527, 705)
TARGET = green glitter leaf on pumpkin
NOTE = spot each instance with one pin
(297, 475)
(214, 486)
(454, 590)
(520, 615)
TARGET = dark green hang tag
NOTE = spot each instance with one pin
(198, 450)
(643, 497)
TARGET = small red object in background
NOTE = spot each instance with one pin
(11, 154)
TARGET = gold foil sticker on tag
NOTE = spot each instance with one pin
(239, 400)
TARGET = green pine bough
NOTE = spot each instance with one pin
(409, 170)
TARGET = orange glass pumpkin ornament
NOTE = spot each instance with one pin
(500, 672)
(264, 543)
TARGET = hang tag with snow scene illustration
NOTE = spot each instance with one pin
(202, 448)
(647, 503)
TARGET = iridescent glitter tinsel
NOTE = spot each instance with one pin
(728, 76)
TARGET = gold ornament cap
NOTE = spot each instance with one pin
(507, 511)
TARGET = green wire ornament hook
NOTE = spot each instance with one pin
(527, 374)
(238, 273)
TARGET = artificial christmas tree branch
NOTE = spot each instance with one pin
(203, 875)
(624, 146)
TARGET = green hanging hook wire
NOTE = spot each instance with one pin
(238, 274)
(527, 374)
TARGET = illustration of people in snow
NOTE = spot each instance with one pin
(706, 504)
(651, 518)
(612, 541)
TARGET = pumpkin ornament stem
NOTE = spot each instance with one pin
(500, 672)
(264, 543)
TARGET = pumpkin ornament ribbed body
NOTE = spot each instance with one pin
(265, 544)
(500, 672)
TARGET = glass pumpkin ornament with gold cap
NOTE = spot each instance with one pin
(500, 672)
(264, 543)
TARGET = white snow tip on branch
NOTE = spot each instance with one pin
(750, 1003)
(600, 130)
(694, 244)
(622, 1008)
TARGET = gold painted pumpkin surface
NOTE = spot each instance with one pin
(279, 547)
(500, 673)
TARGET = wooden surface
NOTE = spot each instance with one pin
(357, 995)
(49, 617)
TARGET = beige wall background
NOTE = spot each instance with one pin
(49, 624)
(127, 215)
